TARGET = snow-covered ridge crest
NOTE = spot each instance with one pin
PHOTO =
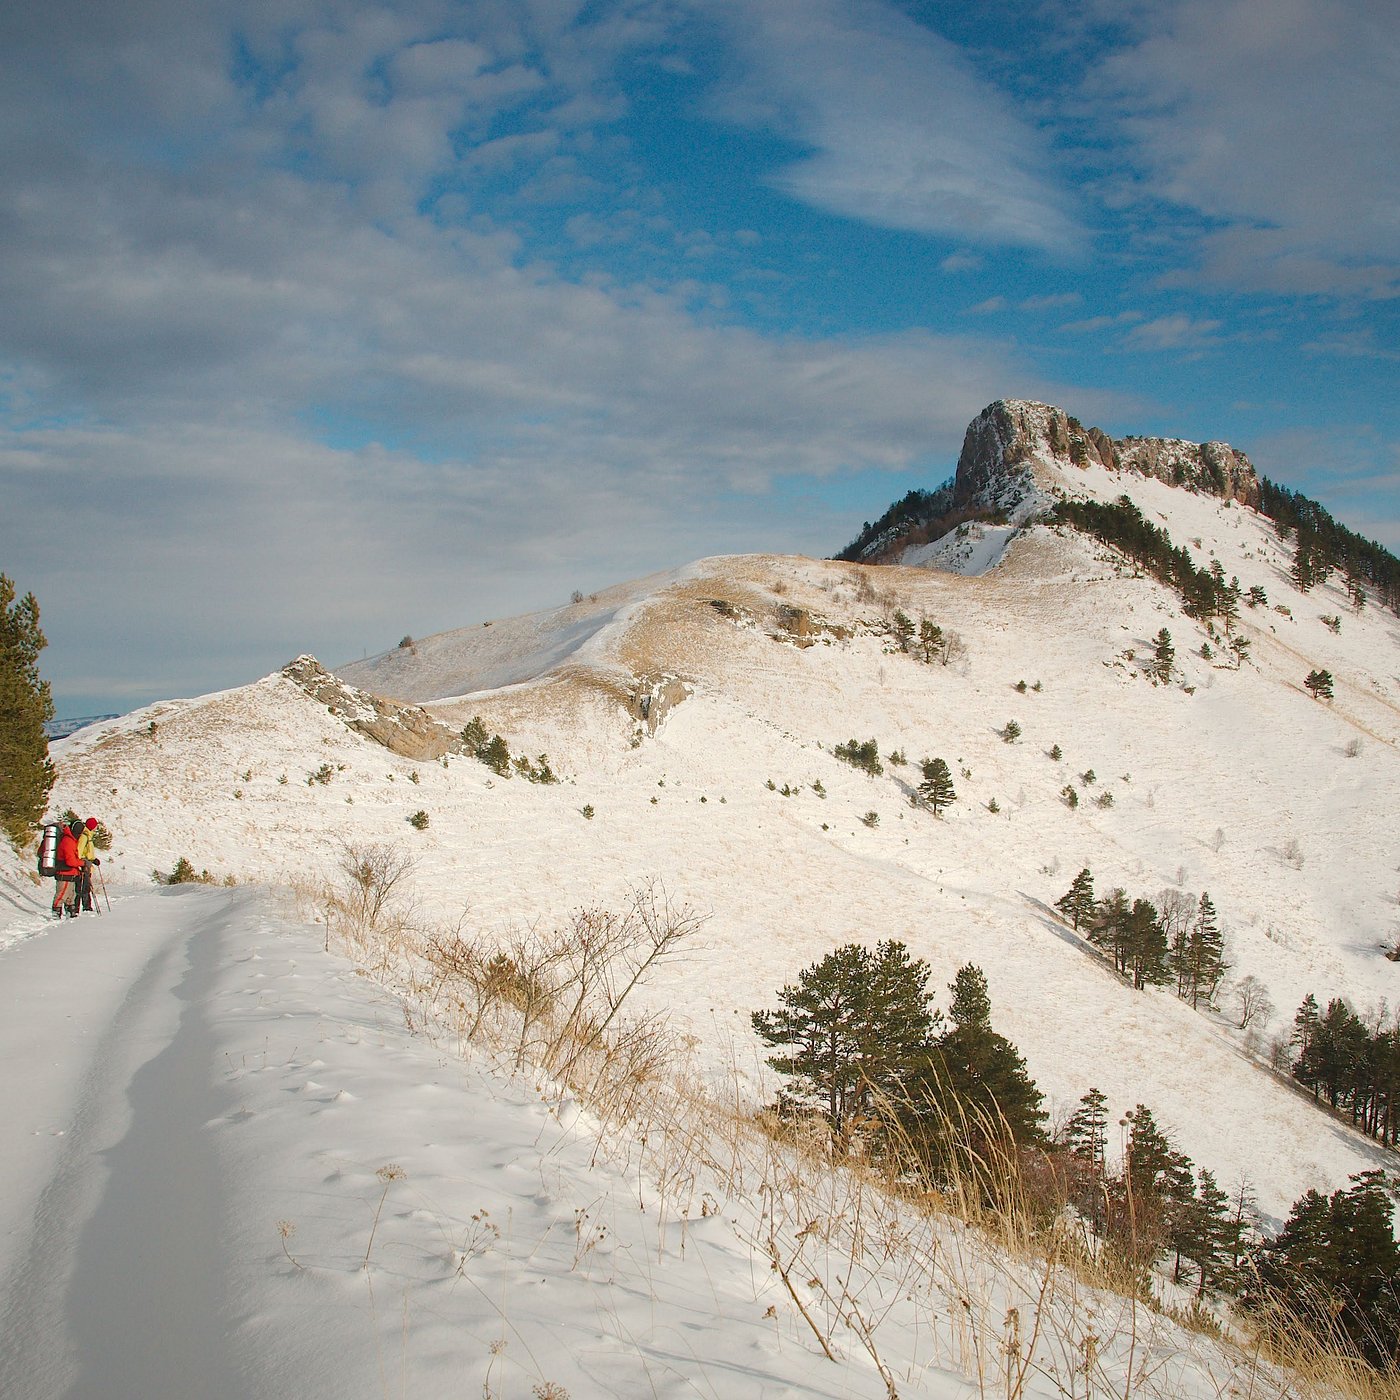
(1016, 454)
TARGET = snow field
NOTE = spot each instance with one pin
(1210, 789)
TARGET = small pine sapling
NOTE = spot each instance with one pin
(1319, 684)
(1010, 732)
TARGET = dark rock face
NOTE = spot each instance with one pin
(403, 729)
(995, 469)
(998, 441)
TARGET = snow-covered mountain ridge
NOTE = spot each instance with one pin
(1231, 780)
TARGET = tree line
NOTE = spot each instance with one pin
(1120, 524)
(1322, 545)
(1353, 1065)
(1174, 943)
(862, 1048)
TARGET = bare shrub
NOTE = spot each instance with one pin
(369, 896)
(555, 997)
(1250, 999)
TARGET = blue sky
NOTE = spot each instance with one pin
(324, 323)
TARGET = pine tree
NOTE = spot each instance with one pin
(1108, 929)
(26, 775)
(857, 1023)
(1144, 947)
(1086, 1138)
(1077, 904)
(1319, 684)
(1227, 604)
(930, 639)
(937, 786)
(1305, 1026)
(1203, 966)
(496, 755)
(1206, 1229)
(1157, 1192)
(1086, 1134)
(975, 1091)
(903, 626)
(1163, 655)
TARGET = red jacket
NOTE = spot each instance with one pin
(68, 862)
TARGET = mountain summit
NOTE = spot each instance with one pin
(1019, 457)
(1010, 438)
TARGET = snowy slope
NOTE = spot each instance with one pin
(1212, 778)
(195, 1081)
(238, 1169)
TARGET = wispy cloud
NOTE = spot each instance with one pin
(1176, 332)
(288, 379)
(1280, 120)
(1052, 301)
(900, 132)
(1092, 325)
(1352, 345)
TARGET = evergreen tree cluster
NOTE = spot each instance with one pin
(1176, 942)
(862, 754)
(916, 518)
(862, 1044)
(928, 640)
(1319, 684)
(1335, 1269)
(1204, 593)
(1355, 1066)
(1156, 1203)
(26, 775)
(494, 752)
(1322, 545)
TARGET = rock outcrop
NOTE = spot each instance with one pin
(1006, 442)
(403, 729)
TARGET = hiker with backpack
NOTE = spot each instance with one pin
(67, 868)
(87, 858)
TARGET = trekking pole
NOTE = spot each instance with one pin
(102, 881)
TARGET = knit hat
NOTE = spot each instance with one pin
(91, 823)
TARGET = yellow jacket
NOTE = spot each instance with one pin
(86, 849)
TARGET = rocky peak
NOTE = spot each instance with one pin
(1010, 445)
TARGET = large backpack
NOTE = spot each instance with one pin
(48, 848)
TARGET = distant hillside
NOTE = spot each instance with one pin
(62, 728)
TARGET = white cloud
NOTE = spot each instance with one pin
(901, 133)
(1094, 324)
(285, 423)
(1282, 118)
(1176, 332)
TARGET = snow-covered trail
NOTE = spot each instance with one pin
(113, 1202)
(235, 1167)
